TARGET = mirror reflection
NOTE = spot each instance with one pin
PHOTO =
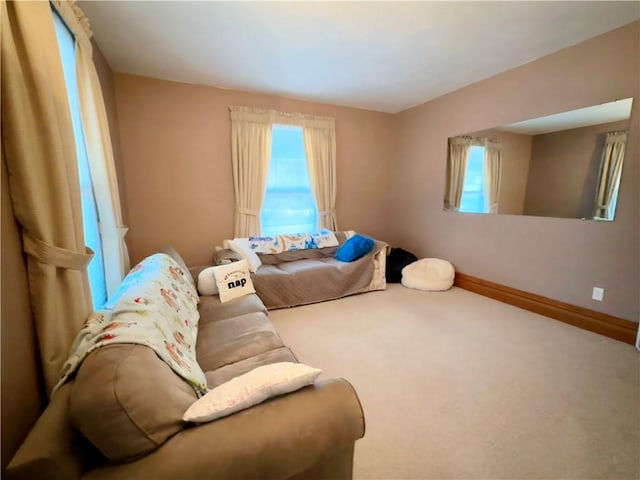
(565, 165)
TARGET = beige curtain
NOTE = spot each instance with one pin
(250, 157)
(456, 168)
(39, 149)
(99, 149)
(492, 171)
(320, 149)
(610, 171)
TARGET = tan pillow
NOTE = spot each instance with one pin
(128, 402)
(250, 389)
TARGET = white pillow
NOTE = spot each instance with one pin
(207, 282)
(241, 246)
(250, 389)
(233, 280)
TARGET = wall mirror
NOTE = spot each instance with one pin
(565, 165)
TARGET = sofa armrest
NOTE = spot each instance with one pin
(53, 450)
(225, 255)
(274, 440)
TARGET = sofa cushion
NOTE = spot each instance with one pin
(211, 309)
(286, 257)
(226, 373)
(311, 280)
(127, 401)
(228, 341)
(310, 266)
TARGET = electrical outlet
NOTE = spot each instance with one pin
(598, 294)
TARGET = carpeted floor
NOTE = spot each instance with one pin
(458, 386)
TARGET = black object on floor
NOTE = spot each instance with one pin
(397, 259)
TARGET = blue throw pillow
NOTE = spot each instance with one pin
(354, 248)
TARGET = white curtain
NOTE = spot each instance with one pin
(251, 154)
(610, 170)
(456, 168)
(250, 157)
(99, 148)
(38, 147)
(320, 149)
(492, 171)
(100, 155)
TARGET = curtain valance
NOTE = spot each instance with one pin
(257, 115)
(251, 154)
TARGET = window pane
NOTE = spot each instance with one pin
(66, 44)
(289, 206)
(473, 189)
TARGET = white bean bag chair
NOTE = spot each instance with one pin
(431, 274)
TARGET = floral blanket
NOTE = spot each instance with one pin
(155, 306)
(292, 242)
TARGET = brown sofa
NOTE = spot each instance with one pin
(130, 404)
(301, 277)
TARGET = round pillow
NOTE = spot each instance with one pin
(431, 274)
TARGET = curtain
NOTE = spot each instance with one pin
(456, 167)
(250, 156)
(320, 149)
(492, 171)
(99, 149)
(610, 171)
(39, 150)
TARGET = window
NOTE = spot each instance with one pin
(66, 45)
(289, 206)
(473, 200)
(611, 211)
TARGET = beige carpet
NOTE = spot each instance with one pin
(458, 386)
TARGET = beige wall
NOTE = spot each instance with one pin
(564, 169)
(558, 258)
(21, 389)
(516, 152)
(176, 148)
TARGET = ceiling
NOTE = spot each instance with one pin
(384, 56)
(582, 117)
